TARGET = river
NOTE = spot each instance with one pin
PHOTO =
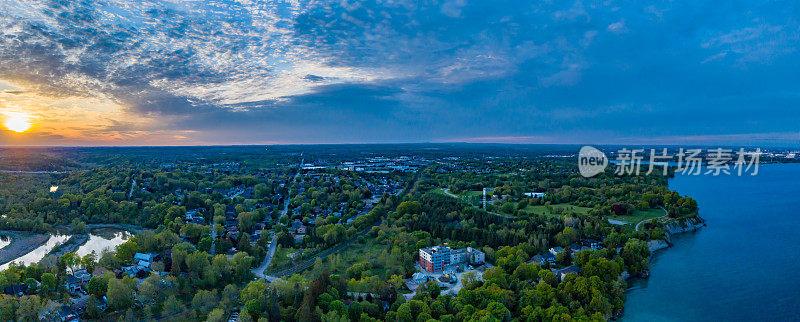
(742, 266)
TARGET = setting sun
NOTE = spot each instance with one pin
(17, 122)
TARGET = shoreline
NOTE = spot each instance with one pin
(657, 245)
(22, 243)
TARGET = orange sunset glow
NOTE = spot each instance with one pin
(17, 122)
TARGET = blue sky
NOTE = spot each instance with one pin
(251, 72)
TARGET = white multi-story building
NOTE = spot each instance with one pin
(435, 259)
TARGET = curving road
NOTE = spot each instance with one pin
(643, 221)
(259, 271)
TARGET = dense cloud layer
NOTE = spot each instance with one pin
(394, 71)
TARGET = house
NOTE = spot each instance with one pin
(419, 278)
(543, 259)
(577, 247)
(535, 194)
(64, 313)
(136, 271)
(556, 250)
(146, 260)
(592, 243)
(562, 273)
(298, 227)
(77, 279)
(194, 216)
(476, 256)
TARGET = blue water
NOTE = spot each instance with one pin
(745, 265)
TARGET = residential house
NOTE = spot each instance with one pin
(592, 243)
(298, 227)
(64, 313)
(562, 273)
(543, 259)
(77, 279)
(145, 260)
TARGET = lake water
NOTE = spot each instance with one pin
(98, 241)
(742, 266)
(37, 254)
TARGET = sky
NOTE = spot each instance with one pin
(111, 72)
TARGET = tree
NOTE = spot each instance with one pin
(205, 244)
(261, 191)
(636, 256)
(217, 315)
(97, 286)
(88, 261)
(48, 282)
(253, 308)
(204, 301)
(28, 308)
(126, 250)
(285, 239)
(7, 308)
(564, 257)
(338, 307)
(93, 309)
(70, 260)
(409, 207)
(119, 295)
(173, 308)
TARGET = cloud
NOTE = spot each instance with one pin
(302, 71)
(617, 27)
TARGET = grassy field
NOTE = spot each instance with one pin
(639, 215)
(281, 258)
(356, 253)
(473, 193)
(557, 210)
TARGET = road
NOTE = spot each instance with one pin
(643, 221)
(259, 271)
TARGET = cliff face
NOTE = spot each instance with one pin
(656, 244)
(684, 225)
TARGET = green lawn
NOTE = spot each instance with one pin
(282, 258)
(473, 193)
(463, 194)
(639, 215)
(557, 210)
(370, 251)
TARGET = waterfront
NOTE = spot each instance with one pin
(97, 241)
(742, 266)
